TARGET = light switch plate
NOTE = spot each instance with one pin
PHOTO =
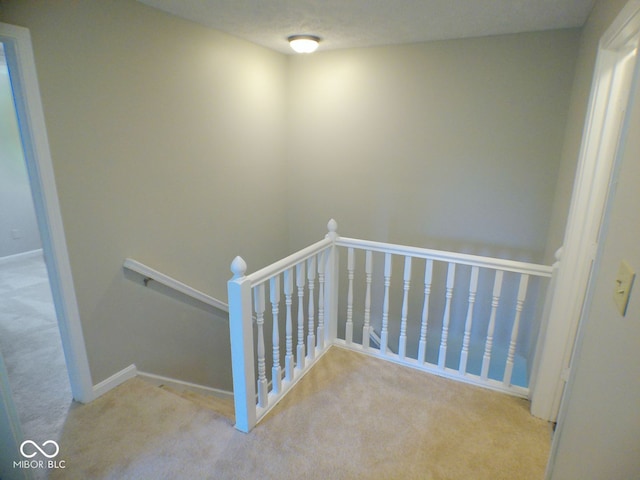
(624, 281)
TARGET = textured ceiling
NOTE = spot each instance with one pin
(366, 23)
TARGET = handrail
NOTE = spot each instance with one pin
(247, 298)
(463, 258)
(150, 274)
(281, 265)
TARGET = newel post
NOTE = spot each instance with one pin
(331, 288)
(540, 392)
(241, 334)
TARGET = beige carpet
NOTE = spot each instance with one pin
(31, 347)
(351, 417)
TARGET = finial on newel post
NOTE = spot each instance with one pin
(238, 267)
(332, 226)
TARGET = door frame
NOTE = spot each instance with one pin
(604, 126)
(31, 122)
(11, 434)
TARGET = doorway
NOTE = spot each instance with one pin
(21, 68)
(603, 130)
(29, 336)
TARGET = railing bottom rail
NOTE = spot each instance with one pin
(446, 372)
(478, 311)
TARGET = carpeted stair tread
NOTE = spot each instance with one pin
(219, 405)
(222, 406)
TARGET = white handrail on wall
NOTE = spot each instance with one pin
(150, 274)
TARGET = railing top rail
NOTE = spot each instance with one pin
(281, 265)
(440, 255)
(167, 281)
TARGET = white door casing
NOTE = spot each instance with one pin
(22, 71)
(609, 98)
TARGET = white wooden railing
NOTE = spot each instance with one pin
(462, 316)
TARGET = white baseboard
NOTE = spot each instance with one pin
(114, 380)
(21, 256)
(181, 385)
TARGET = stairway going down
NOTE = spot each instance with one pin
(218, 404)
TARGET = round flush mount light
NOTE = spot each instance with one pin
(304, 43)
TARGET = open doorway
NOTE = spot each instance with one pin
(18, 53)
(604, 128)
(29, 335)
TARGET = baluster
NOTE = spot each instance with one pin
(311, 279)
(300, 353)
(422, 346)
(288, 356)
(522, 294)
(276, 371)
(384, 334)
(473, 288)
(366, 329)
(321, 266)
(258, 301)
(402, 347)
(446, 317)
(350, 268)
(486, 359)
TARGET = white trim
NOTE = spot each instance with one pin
(151, 274)
(11, 434)
(375, 338)
(181, 385)
(280, 266)
(24, 80)
(624, 30)
(114, 380)
(450, 257)
(603, 127)
(449, 373)
(20, 256)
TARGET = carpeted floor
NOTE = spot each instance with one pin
(351, 417)
(30, 345)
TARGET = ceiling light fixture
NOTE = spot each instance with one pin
(304, 43)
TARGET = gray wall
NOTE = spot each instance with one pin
(600, 426)
(452, 144)
(599, 438)
(601, 17)
(182, 147)
(167, 147)
(18, 227)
